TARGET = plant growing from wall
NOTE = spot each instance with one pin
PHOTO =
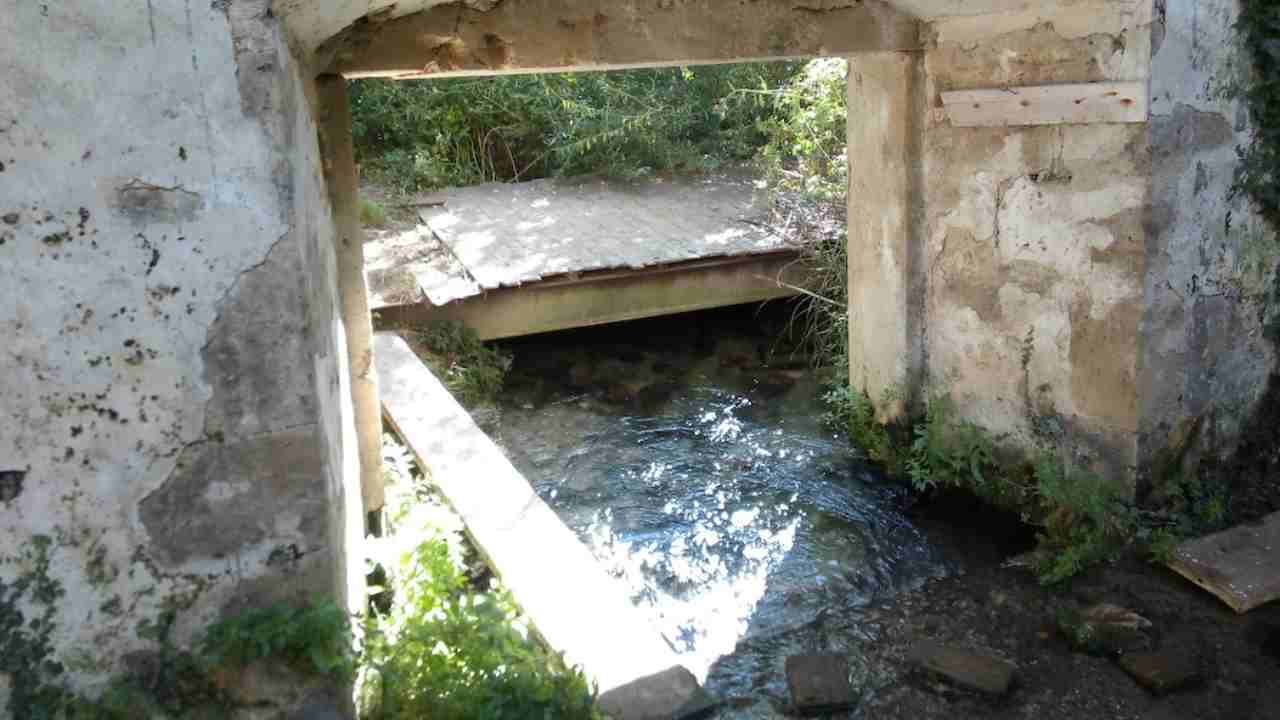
(314, 638)
(853, 412)
(948, 452)
(1085, 519)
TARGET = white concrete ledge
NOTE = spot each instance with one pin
(576, 608)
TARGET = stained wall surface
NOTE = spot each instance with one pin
(1209, 290)
(1033, 237)
(174, 428)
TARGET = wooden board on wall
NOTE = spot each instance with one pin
(1102, 102)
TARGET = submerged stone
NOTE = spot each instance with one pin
(819, 683)
(967, 668)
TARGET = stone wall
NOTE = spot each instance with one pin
(1033, 236)
(1211, 263)
(175, 424)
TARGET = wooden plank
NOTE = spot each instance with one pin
(1102, 102)
(507, 235)
(570, 600)
(1241, 566)
(439, 275)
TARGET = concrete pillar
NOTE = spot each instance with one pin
(344, 198)
(886, 279)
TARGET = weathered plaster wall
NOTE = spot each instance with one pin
(174, 415)
(1211, 261)
(1033, 236)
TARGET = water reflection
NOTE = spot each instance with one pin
(732, 521)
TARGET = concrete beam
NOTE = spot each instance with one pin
(334, 123)
(886, 291)
(573, 605)
(559, 35)
(599, 298)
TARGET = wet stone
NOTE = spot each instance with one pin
(819, 684)
(1163, 671)
(673, 694)
(966, 668)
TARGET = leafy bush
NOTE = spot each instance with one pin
(448, 649)
(1087, 519)
(430, 134)
(445, 651)
(473, 372)
(806, 151)
(315, 637)
(951, 453)
(805, 163)
(372, 213)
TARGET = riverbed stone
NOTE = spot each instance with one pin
(967, 668)
(1163, 671)
(1106, 629)
(673, 694)
(819, 683)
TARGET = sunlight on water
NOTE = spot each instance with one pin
(730, 520)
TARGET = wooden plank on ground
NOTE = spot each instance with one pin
(1102, 102)
(1241, 565)
(573, 604)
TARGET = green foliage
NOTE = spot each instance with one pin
(26, 653)
(1087, 519)
(950, 453)
(430, 134)
(473, 372)
(1193, 506)
(1083, 519)
(447, 650)
(372, 213)
(1258, 174)
(314, 638)
(806, 150)
(804, 162)
(855, 414)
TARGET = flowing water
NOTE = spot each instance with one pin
(704, 479)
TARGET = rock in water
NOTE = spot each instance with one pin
(967, 668)
(819, 684)
(673, 694)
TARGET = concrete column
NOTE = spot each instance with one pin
(886, 278)
(344, 198)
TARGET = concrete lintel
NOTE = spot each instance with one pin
(612, 297)
(572, 603)
(557, 35)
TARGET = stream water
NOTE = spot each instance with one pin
(699, 472)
